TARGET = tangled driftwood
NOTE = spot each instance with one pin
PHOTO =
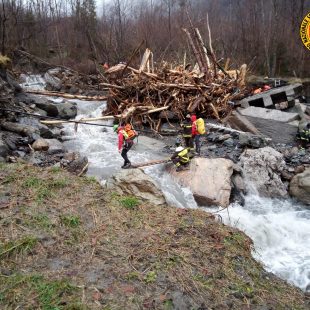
(171, 92)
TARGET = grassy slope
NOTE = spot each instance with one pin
(65, 243)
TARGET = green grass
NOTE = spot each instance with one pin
(25, 290)
(55, 169)
(90, 180)
(19, 246)
(41, 220)
(71, 221)
(44, 189)
(150, 277)
(130, 202)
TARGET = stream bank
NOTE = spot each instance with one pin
(68, 243)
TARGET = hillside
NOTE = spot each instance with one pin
(66, 243)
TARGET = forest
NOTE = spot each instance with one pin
(264, 34)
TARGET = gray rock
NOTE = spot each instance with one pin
(45, 132)
(229, 142)
(48, 106)
(54, 146)
(262, 169)
(244, 139)
(238, 182)
(300, 186)
(52, 81)
(25, 130)
(212, 147)
(224, 137)
(67, 110)
(40, 145)
(135, 182)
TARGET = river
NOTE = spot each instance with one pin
(280, 229)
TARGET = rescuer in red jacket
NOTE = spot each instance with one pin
(195, 134)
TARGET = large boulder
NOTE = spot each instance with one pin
(135, 182)
(262, 169)
(300, 186)
(208, 179)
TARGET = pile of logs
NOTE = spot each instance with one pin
(148, 95)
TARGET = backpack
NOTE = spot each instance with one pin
(131, 133)
(200, 123)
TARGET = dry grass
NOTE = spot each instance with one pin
(98, 250)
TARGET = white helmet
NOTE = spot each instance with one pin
(179, 149)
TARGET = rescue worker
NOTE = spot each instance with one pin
(180, 157)
(195, 134)
(124, 144)
(187, 132)
(304, 135)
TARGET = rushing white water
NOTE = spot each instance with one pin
(280, 229)
(32, 82)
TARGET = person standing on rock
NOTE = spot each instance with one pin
(187, 132)
(124, 144)
(195, 134)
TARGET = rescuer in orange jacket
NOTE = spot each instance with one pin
(124, 144)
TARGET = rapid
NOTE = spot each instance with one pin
(280, 229)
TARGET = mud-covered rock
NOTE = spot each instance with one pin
(135, 182)
(300, 186)
(262, 168)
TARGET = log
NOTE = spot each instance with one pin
(151, 163)
(93, 119)
(65, 95)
